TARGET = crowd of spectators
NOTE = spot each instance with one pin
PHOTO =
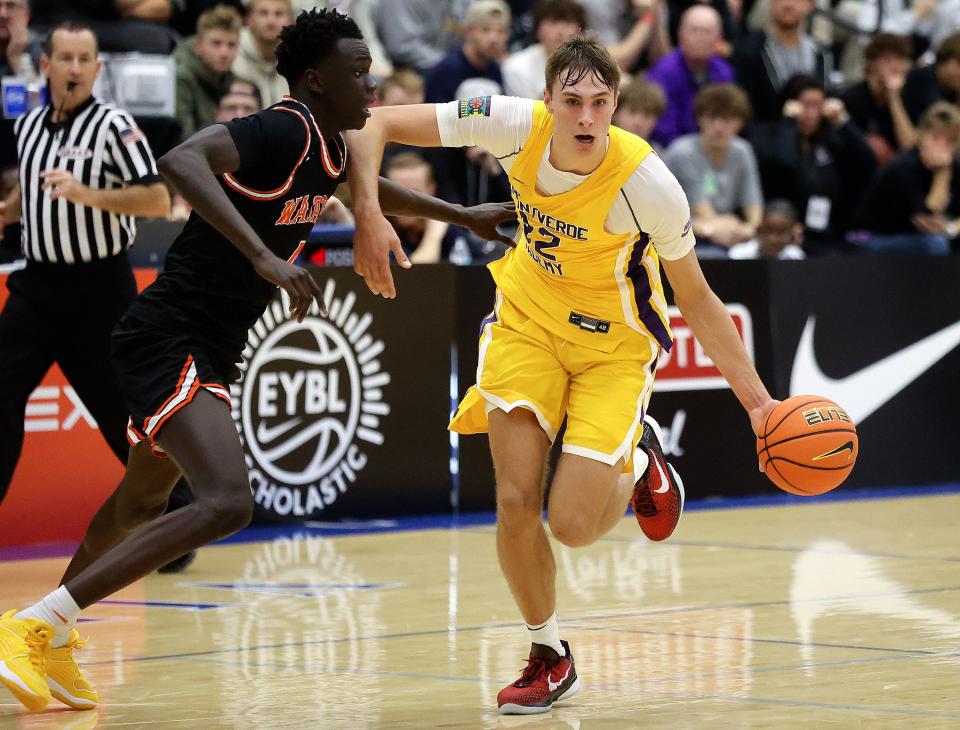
(796, 127)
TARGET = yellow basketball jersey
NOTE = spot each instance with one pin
(567, 272)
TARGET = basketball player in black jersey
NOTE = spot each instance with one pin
(256, 186)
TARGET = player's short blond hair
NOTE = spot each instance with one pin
(579, 57)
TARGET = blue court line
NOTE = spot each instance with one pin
(513, 624)
(786, 642)
(640, 684)
(454, 521)
(165, 604)
(462, 520)
(784, 549)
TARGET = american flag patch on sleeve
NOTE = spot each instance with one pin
(131, 135)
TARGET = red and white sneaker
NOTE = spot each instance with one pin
(547, 678)
(657, 499)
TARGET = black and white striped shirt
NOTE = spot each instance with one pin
(103, 148)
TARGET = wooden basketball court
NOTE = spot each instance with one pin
(814, 614)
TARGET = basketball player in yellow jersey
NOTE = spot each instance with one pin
(577, 326)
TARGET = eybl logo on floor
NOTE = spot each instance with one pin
(309, 404)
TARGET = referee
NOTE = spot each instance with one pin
(85, 172)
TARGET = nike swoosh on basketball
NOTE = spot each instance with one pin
(862, 393)
(266, 434)
(848, 447)
(552, 686)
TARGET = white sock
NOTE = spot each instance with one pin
(547, 634)
(641, 460)
(59, 610)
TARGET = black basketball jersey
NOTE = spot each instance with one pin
(287, 172)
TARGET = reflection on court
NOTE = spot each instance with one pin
(821, 613)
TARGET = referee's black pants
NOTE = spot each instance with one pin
(64, 314)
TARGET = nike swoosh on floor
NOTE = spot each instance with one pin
(862, 393)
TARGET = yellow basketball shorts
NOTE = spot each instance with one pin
(603, 395)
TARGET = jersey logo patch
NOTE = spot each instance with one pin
(131, 135)
(475, 106)
(75, 153)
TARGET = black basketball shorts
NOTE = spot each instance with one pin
(160, 373)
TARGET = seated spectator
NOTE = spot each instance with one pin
(361, 12)
(241, 100)
(913, 205)
(727, 10)
(256, 59)
(186, 14)
(778, 237)
(928, 22)
(484, 45)
(424, 241)
(938, 82)
(639, 106)
(20, 47)
(203, 67)
(471, 176)
(764, 61)
(401, 87)
(718, 172)
(687, 69)
(817, 159)
(121, 26)
(631, 29)
(417, 34)
(876, 104)
(554, 22)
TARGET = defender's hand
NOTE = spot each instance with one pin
(295, 281)
(373, 240)
(482, 220)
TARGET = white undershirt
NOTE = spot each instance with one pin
(651, 200)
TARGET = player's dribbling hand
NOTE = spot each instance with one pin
(373, 240)
(482, 221)
(295, 281)
(758, 415)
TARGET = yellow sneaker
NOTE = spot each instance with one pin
(64, 678)
(22, 662)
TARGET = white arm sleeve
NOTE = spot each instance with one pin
(658, 207)
(502, 129)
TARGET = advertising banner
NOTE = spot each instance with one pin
(881, 337)
(345, 416)
(66, 470)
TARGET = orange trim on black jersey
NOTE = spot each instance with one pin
(328, 165)
(276, 193)
(293, 256)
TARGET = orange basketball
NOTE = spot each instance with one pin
(807, 445)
